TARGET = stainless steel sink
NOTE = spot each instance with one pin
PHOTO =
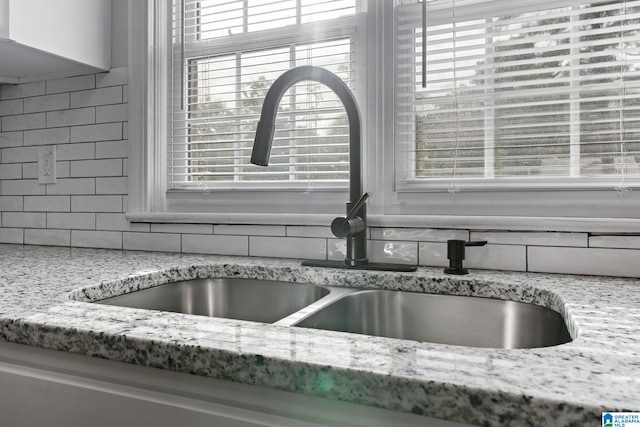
(243, 299)
(445, 319)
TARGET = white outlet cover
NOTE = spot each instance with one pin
(47, 165)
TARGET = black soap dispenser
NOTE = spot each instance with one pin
(456, 254)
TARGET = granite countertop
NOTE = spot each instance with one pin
(43, 302)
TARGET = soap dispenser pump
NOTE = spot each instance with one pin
(456, 254)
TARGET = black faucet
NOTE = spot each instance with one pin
(353, 226)
(456, 253)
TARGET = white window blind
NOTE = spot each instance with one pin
(516, 90)
(225, 56)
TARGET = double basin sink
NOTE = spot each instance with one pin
(444, 319)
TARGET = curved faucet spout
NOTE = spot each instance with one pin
(353, 226)
(266, 125)
(356, 225)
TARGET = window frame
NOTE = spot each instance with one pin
(149, 194)
(571, 197)
(495, 209)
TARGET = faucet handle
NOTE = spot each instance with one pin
(349, 225)
(356, 207)
(476, 243)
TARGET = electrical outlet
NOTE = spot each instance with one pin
(47, 165)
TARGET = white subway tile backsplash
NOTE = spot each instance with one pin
(22, 90)
(182, 228)
(118, 222)
(250, 230)
(49, 136)
(77, 221)
(96, 239)
(497, 257)
(12, 203)
(377, 251)
(12, 235)
(47, 237)
(94, 168)
(11, 139)
(47, 203)
(393, 252)
(598, 261)
(72, 186)
(336, 249)
(112, 113)
(19, 154)
(628, 242)
(288, 247)
(433, 254)
(22, 187)
(93, 97)
(11, 171)
(86, 118)
(163, 242)
(75, 117)
(39, 104)
(71, 84)
(418, 234)
(98, 132)
(532, 238)
(24, 122)
(218, 245)
(117, 185)
(24, 220)
(309, 231)
(11, 107)
(96, 203)
(112, 149)
(80, 151)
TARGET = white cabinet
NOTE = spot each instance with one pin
(53, 38)
(57, 389)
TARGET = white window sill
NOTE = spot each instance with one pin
(515, 223)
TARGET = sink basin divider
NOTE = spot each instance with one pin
(335, 293)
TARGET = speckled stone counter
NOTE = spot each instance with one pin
(45, 296)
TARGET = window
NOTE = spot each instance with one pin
(225, 56)
(522, 93)
(530, 110)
